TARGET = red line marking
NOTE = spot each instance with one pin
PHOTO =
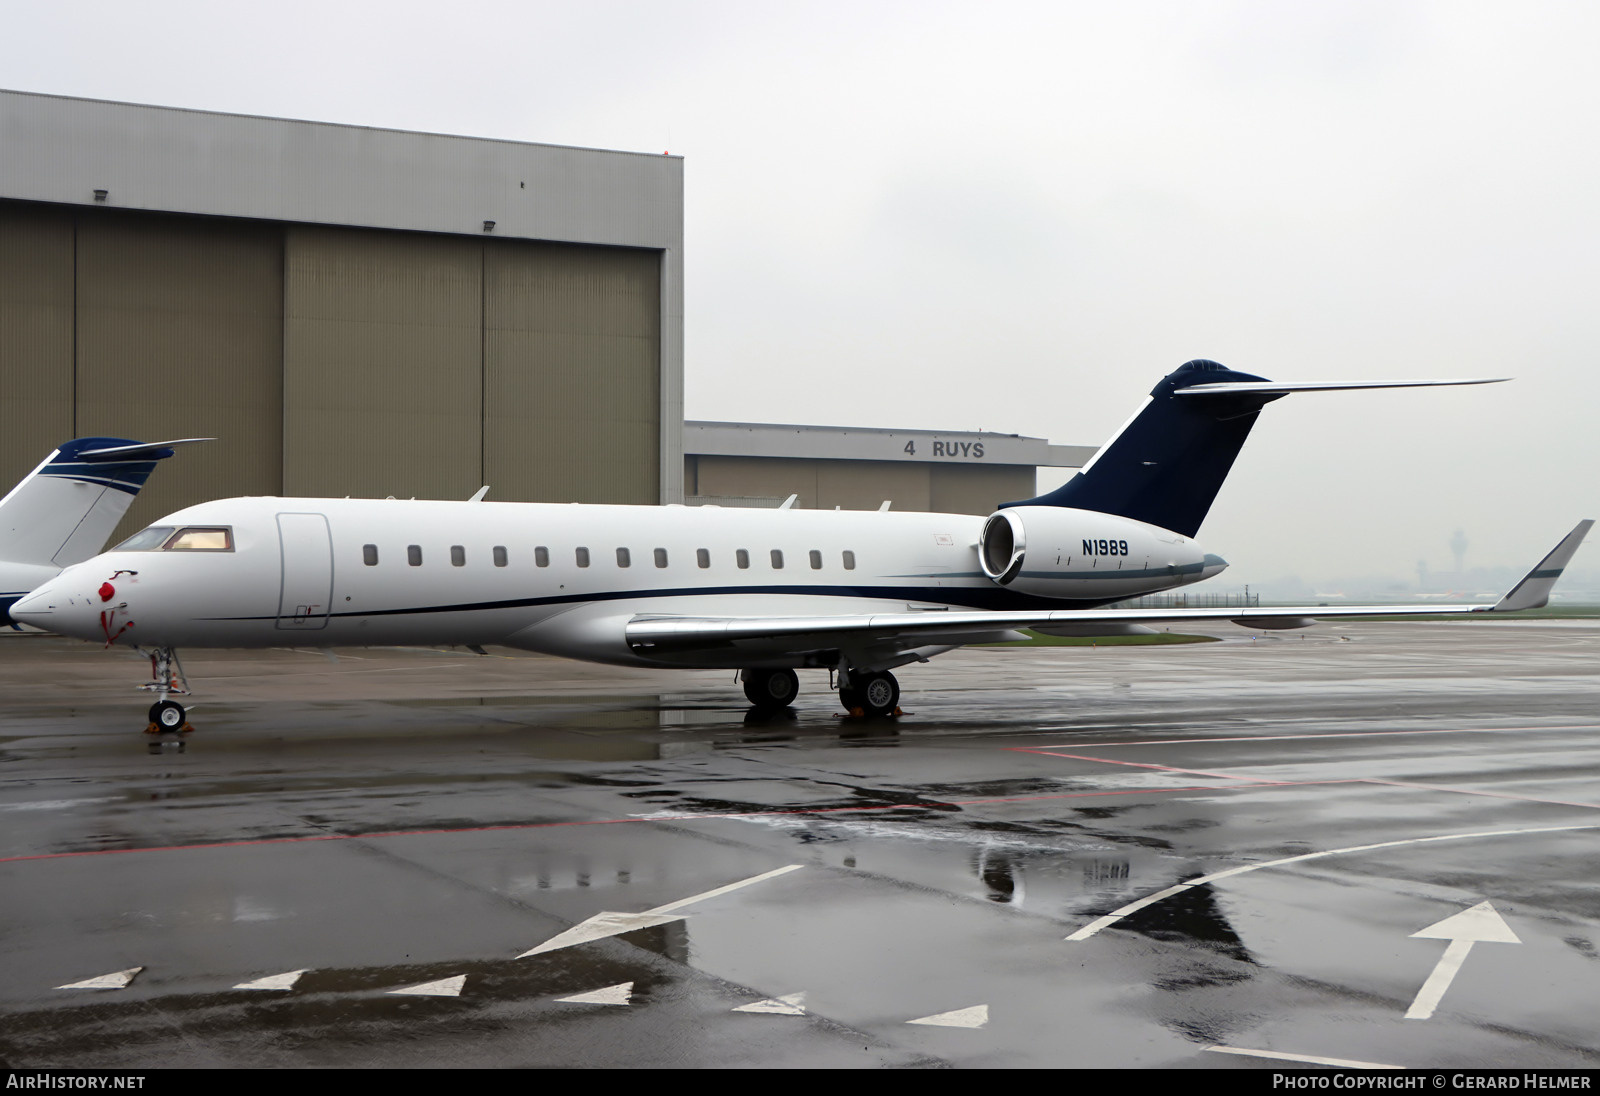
(1283, 737)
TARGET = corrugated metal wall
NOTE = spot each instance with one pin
(978, 489)
(860, 485)
(35, 336)
(180, 334)
(571, 373)
(383, 355)
(330, 361)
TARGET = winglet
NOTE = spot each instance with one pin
(1533, 592)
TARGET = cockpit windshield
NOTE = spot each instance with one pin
(170, 538)
(196, 539)
(147, 540)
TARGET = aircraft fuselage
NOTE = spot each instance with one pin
(565, 579)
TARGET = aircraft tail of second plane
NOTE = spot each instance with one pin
(63, 511)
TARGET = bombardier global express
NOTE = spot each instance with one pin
(766, 592)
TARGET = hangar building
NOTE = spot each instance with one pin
(854, 468)
(349, 311)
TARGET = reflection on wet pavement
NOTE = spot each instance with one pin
(408, 819)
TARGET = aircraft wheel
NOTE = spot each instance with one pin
(877, 694)
(770, 690)
(849, 697)
(167, 715)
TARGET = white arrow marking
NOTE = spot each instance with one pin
(444, 987)
(116, 980)
(274, 981)
(790, 1004)
(1479, 923)
(619, 994)
(975, 1017)
(610, 923)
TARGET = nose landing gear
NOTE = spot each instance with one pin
(166, 716)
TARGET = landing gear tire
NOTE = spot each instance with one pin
(876, 694)
(167, 717)
(770, 690)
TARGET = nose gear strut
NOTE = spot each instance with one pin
(166, 716)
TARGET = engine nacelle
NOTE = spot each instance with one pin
(1053, 551)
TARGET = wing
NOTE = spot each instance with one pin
(881, 640)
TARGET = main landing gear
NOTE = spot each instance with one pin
(166, 716)
(770, 690)
(871, 694)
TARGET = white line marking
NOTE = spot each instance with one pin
(116, 980)
(444, 987)
(1132, 907)
(610, 923)
(680, 903)
(790, 1004)
(1308, 1058)
(274, 981)
(1112, 918)
(600, 926)
(619, 994)
(975, 1017)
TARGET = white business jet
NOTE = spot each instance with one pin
(62, 512)
(762, 591)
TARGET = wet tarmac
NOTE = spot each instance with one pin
(1297, 808)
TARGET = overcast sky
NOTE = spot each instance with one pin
(1017, 217)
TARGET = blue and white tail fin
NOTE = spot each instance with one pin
(1167, 463)
(63, 511)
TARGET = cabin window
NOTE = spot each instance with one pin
(816, 560)
(849, 560)
(742, 557)
(369, 554)
(624, 558)
(702, 557)
(661, 557)
(196, 539)
(148, 540)
(583, 557)
(414, 555)
(777, 560)
(541, 556)
(500, 559)
(458, 556)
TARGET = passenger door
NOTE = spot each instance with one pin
(307, 571)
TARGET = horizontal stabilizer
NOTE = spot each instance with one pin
(1533, 592)
(1264, 388)
(1167, 463)
(137, 450)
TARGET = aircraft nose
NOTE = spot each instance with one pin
(58, 606)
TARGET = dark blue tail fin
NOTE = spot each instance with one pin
(1169, 461)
